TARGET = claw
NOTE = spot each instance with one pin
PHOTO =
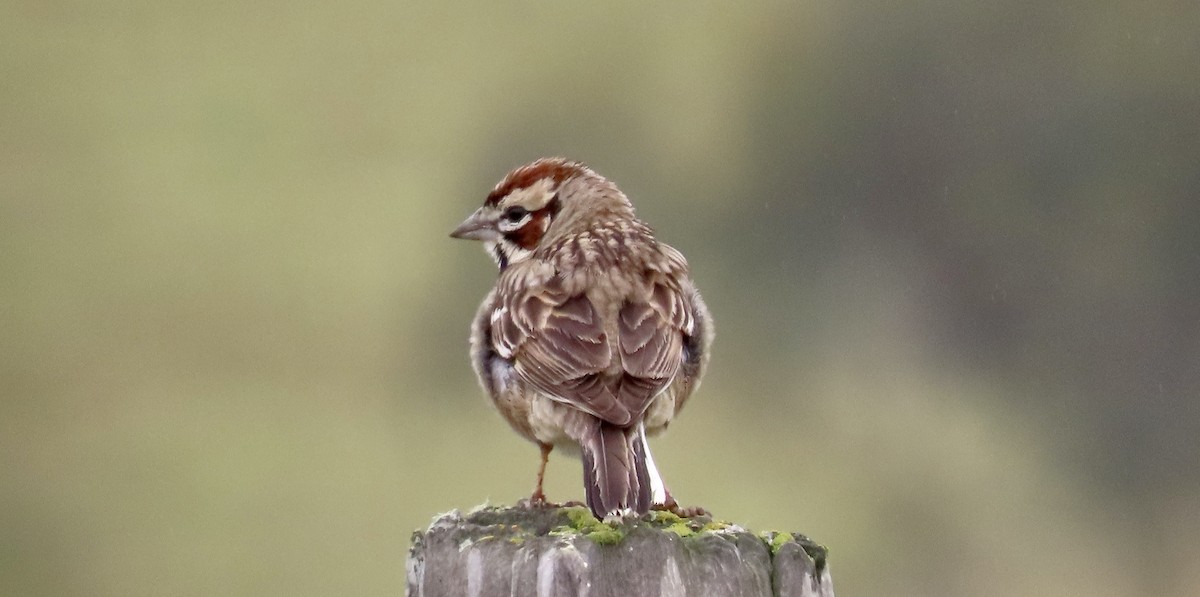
(673, 507)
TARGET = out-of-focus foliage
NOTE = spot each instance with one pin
(952, 250)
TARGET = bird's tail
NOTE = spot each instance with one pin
(615, 472)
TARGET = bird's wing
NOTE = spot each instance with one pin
(651, 343)
(559, 342)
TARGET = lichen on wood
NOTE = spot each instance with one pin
(560, 551)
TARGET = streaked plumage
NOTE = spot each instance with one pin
(594, 335)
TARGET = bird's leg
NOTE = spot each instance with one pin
(539, 497)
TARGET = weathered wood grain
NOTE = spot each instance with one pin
(558, 552)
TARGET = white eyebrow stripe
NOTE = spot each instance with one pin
(532, 197)
(507, 226)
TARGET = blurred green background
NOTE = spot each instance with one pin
(951, 248)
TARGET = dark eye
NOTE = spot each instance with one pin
(515, 213)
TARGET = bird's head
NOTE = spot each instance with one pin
(534, 202)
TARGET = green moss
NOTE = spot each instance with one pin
(681, 529)
(716, 525)
(664, 517)
(583, 523)
(606, 535)
(581, 518)
(777, 540)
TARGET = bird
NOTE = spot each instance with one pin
(594, 335)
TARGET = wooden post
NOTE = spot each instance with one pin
(560, 552)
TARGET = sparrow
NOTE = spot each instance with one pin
(594, 335)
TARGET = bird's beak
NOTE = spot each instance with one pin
(475, 227)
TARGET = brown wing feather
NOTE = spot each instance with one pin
(651, 342)
(566, 358)
(559, 344)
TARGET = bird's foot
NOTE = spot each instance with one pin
(535, 501)
(674, 508)
(538, 501)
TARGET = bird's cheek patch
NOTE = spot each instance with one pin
(528, 236)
